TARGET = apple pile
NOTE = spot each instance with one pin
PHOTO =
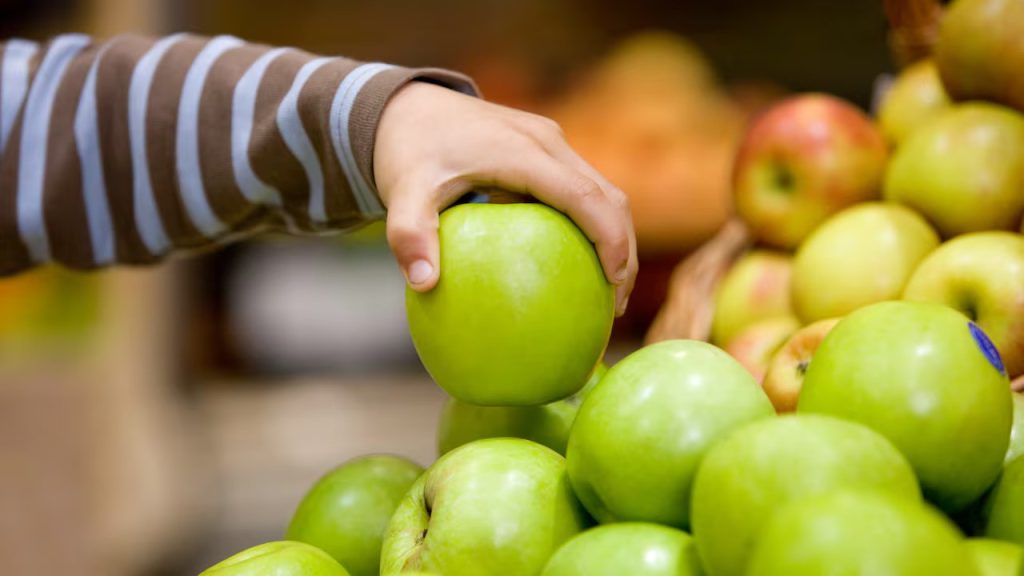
(852, 414)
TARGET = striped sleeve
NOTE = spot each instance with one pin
(126, 151)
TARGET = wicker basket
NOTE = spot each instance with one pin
(689, 303)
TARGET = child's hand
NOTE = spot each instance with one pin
(434, 145)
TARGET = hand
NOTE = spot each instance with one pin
(435, 144)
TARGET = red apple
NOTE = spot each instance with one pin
(804, 159)
(755, 346)
(785, 375)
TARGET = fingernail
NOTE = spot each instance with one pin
(620, 276)
(420, 272)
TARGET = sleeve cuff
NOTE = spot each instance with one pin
(355, 114)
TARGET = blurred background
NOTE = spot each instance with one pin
(154, 421)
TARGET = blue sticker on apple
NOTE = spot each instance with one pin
(987, 347)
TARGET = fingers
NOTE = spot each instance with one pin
(604, 220)
(412, 234)
(560, 149)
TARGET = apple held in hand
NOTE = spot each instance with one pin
(522, 312)
(926, 378)
(763, 466)
(862, 533)
(963, 170)
(633, 548)
(995, 557)
(755, 345)
(755, 288)
(495, 506)
(278, 559)
(347, 511)
(860, 256)
(785, 375)
(547, 424)
(982, 276)
(914, 97)
(980, 52)
(640, 435)
(1003, 510)
(803, 160)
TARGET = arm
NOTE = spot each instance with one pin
(129, 150)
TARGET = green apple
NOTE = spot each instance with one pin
(929, 380)
(995, 557)
(522, 312)
(801, 161)
(762, 466)
(755, 288)
(963, 170)
(914, 97)
(785, 374)
(860, 533)
(278, 559)
(755, 345)
(862, 255)
(982, 276)
(347, 511)
(980, 52)
(1017, 431)
(640, 435)
(547, 424)
(633, 548)
(494, 506)
(1003, 509)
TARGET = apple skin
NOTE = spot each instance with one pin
(1003, 509)
(753, 472)
(963, 170)
(755, 288)
(755, 345)
(278, 559)
(785, 375)
(980, 51)
(982, 276)
(633, 548)
(913, 98)
(1017, 431)
(548, 424)
(995, 557)
(494, 506)
(864, 254)
(347, 511)
(640, 435)
(860, 533)
(918, 374)
(522, 313)
(804, 159)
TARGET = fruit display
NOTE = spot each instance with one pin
(853, 412)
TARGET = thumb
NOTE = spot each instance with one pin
(412, 234)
